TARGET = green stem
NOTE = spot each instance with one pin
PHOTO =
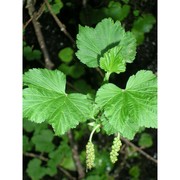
(118, 135)
(91, 135)
(106, 78)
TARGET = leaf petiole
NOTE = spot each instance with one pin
(106, 77)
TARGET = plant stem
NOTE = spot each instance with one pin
(91, 135)
(118, 135)
(106, 78)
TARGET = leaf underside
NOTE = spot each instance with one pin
(127, 110)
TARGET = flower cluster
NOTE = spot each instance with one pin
(90, 155)
(115, 149)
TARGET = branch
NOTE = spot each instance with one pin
(37, 27)
(100, 72)
(46, 159)
(77, 161)
(39, 13)
(59, 23)
(139, 150)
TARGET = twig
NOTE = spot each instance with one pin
(77, 161)
(100, 72)
(36, 24)
(60, 24)
(27, 23)
(46, 159)
(139, 150)
(39, 13)
(70, 85)
(36, 156)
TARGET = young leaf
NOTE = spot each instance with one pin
(136, 106)
(93, 43)
(112, 61)
(45, 100)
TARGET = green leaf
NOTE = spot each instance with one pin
(139, 36)
(57, 6)
(27, 51)
(51, 81)
(75, 71)
(34, 170)
(43, 141)
(136, 12)
(114, 10)
(30, 54)
(66, 54)
(142, 25)
(45, 100)
(135, 172)
(83, 86)
(145, 140)
(126, 110)
(27, 146)
(93, 43)
(125, 1)
(62, 156)
(36, 54)
(28, 125)
(112, 61)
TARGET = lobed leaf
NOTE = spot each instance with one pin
(43, 144)
(93, 43)
(112, 61)
(128, 110)
(45, 100)
(35, 170)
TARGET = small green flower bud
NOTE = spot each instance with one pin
(115, 149)
(90, 155)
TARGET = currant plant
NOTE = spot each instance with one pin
(114, 110)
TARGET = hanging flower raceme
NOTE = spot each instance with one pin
(90, 155)
(115, 149)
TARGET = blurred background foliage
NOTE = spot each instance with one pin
(46, 156)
